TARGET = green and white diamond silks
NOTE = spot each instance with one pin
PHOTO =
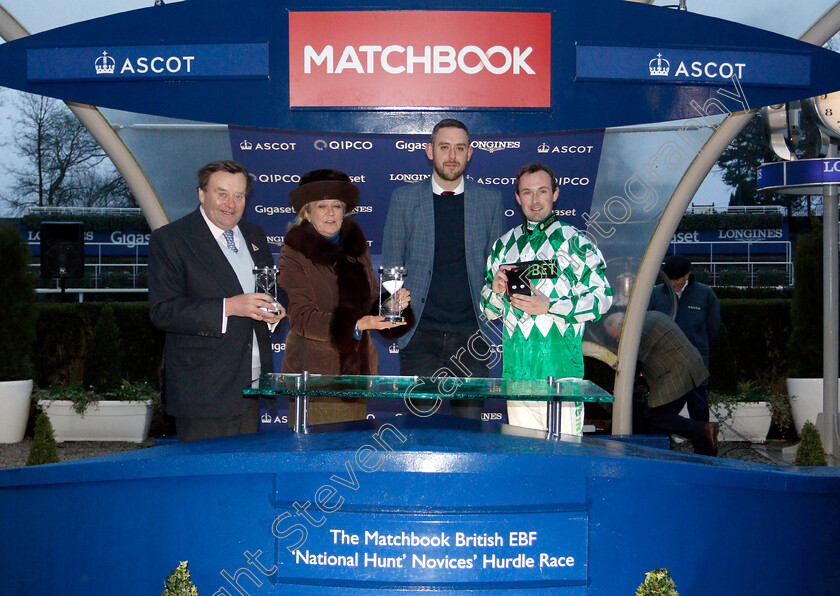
(538, 346)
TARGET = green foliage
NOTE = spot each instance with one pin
(723, 364)
(734, 277)
(17, 323)
(83, 397)
(730, 221)
(179, 583)
(754, 293)
(103, 370)
(810, 451)
(805, 345)
(758, 333)
(657, 583)
(43, 449)
(64, 333)
(752, 392)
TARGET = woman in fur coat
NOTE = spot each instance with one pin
(326, 270)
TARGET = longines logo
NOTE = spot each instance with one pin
(321, 145)
(361, 209)
(493, 146)
(104, 64)
(246, 145)
(408, 177)
(275, 240)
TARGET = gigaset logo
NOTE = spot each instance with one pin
(271, 210)
(410, 146)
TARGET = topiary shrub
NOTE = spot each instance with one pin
(43, 449)
(806, 311)
(810, 451)
(179, 583)
(17, 323)
(103, 370)
(657, 583)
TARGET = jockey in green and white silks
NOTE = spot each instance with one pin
(567, 269)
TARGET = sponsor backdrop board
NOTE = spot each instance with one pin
(378, 164)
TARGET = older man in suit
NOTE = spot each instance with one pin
(201, 285)
(441, 231)
(673, 369)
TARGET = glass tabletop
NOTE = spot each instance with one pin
(274, 384)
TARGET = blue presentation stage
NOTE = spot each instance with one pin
(440, 504)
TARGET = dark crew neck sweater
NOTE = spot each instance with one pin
(449, 304)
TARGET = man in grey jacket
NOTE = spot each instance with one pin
(441, 230)
(673, 370)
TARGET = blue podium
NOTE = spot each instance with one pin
(417, 504)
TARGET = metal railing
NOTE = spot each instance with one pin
(756, 260)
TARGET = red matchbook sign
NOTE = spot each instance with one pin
(420, 59)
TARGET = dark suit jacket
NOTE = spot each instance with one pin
(189, 276)
(670, 364)
(409, 239)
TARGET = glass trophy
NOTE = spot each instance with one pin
(390, 281)
(267, 284)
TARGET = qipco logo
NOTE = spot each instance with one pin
(345, 145)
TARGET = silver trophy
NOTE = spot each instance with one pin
(266, 278)
(390, 281)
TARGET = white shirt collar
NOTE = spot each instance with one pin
(438, 190)
(679, 294)
(218, 232)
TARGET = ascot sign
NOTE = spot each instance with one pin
(405, 58)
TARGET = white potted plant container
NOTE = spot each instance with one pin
(17, 333)
(806, 400)
(750, 412)
(84, 416)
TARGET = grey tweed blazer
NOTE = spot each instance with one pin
(409, 239)
(670, 364)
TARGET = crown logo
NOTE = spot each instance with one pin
(543, 148)
(661, 68)
(394, 348)
(265, 418)
(104, 64)
(246, 145)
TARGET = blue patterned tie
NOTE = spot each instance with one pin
(228, 234)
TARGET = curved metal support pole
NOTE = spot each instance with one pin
(107, 138)
(628, 349)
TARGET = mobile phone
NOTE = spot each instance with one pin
(517, 283)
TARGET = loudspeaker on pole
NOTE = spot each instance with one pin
(62, 250)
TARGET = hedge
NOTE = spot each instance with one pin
(752, 345)
(757, 333)
(730, 221)
(63, 332)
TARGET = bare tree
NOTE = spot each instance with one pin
(62, 164)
